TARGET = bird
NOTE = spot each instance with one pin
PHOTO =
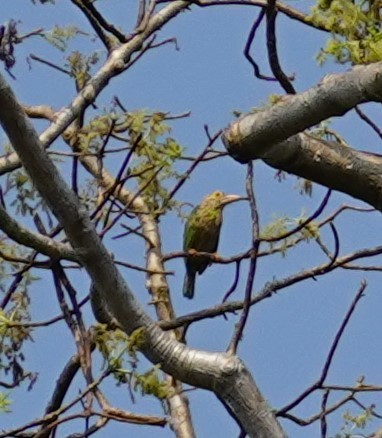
(201, 234)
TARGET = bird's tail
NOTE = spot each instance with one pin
(189, 285)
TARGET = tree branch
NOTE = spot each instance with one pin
(225, 375)
(114, 65)
(252, 135)
(276, 135)
(331, 164)
(43, 244)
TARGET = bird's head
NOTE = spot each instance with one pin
(219, 199)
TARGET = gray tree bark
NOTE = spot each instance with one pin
(276, 135)
(223, 374)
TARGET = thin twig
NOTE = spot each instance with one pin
(83, 6)
(117, 182)
(324, 425)
(75, 175)
(196, 161)
(271, 13)
(141, 12)
(102, 22)
(50, 64)
(135, 196)
(62, 386)
(134, 231)
(234, 284)
(368, 120)
(239, 327)
(303, 224)
(336, 244)
(341, 331)
(334, 407)
(248, 45)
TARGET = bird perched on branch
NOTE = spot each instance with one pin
(201, 234)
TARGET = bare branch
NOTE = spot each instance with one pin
(83, 5)
(248, 45)
(328, 163)
(239, 327)
(256, 134)
(99, 23)
(284, 8)
(271, 13)
(62, 386)
(40, 243)
(368, 120)
(201, 368)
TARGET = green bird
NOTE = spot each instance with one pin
(201, 234)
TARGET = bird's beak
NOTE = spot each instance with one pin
(228, 199)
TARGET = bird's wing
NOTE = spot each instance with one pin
(189, 232)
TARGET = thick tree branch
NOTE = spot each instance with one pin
(43, 244)
(273, 135)
(284, 8)
(358, 174)
(223, 374)
(251, 136)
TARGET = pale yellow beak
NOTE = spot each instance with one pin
(228, 199)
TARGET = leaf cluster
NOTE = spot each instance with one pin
(280, 226)
(155, 157)
(115, 346)
(354, 423)
(120, 355)
(154, 152)
(5, 403)
(151, 383)
(80, 67)
(355, 28)
(60, 36)
(13, 335)
(27, 199)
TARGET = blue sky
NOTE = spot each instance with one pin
(289, 335)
